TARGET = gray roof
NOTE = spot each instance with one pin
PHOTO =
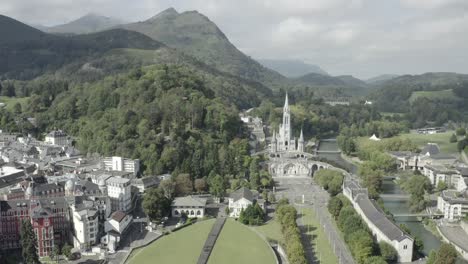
(454, 197)
(242, 193)
(378, 218)
(189, 201)
(430, 149)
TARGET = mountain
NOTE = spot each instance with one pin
(381, 78)
(13, 32)
(292, 68)
(89, 23)
(29, 53)
(197, 36)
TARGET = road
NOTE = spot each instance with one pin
(315, 198)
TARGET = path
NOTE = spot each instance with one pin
(211, 240)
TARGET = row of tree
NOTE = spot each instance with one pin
(286, 216)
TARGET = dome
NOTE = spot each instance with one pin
(69, 185)
(29, 191)
(102, 182)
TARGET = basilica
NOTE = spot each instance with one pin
(287, 156)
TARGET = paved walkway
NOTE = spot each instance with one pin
(211, 240)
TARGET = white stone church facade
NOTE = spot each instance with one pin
(287, 155)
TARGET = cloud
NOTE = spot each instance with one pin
(432, 4)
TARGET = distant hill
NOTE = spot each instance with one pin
(13, 31)
(320, 80)
(381, 78)
(89, 23)
(352, 81)
(197, 36)
(430, 97)
(292, 68)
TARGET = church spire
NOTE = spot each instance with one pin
(286, 101)
(301, 137)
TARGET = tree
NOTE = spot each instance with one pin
(200, 185)
(17, 109)
(461, 131)
(28, 243)
(453, 138)
(441, 186)
(388, 252)
(184, 184)
(252, 215)
(361, 244)
(168, 186)
(217, 186)
(55, 253)
(272, 197)
(334, 206)
(375, 260)
(66, 250)
(431, 259)
(155, 204)
(447, 254)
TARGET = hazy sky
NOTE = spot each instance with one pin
(359, 37)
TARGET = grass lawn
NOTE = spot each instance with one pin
(271, 230)
(183, 246)
(442, 139)
(11, 101)
(318, 237)
(237, 244)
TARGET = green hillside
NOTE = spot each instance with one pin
(195, 35)
(433, 95)
(14, 32)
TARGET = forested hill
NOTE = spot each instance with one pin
(196, 35)
(430, 97)
(33, 54)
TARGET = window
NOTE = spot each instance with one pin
(405, 247)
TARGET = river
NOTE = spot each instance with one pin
(395, 207)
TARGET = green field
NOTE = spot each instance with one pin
(442, 139)
(318, 237)
(11, 101)
(271, 230)
(444, 94)
(237, 244)
(183, 246)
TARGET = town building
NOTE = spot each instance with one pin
(119, 192)
(382, 228)
(115, 227)
(49, 218)
(240, 199)
(57, 137)
(453, 204)
(191, 206)
(143, 184)
(121, 164)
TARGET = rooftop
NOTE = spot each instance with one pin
(118, 216)
(378, 218)
(242, 193)
(189, 201)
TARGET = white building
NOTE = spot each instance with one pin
(89, 215)
(191, 206)
(453, 204)
(85, 224)
(119, 192)
(382, 228)
(58, 137)
(241, 199)
(115, 226)
(121, 164)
